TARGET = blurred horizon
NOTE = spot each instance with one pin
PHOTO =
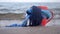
(14, 7)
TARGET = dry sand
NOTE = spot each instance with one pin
(30, 30)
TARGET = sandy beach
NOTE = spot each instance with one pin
(53, 29)
(11, 13)
(30, 30)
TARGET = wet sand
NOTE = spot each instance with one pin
(12, 16)
(30, 30)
